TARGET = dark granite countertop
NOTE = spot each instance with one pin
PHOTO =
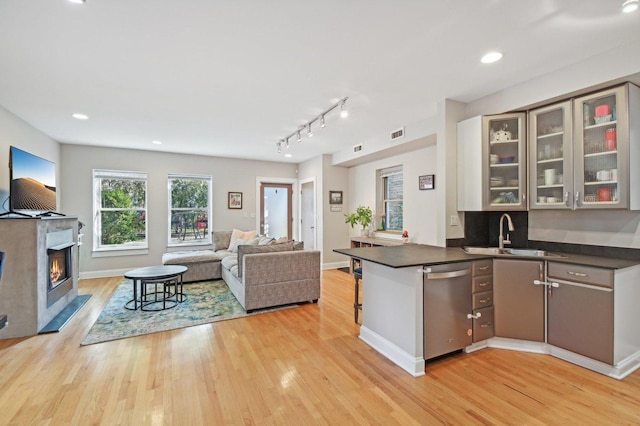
(407, 255)
(410, 255)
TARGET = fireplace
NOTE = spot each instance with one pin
(60, 271)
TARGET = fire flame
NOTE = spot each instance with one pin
(57, 271)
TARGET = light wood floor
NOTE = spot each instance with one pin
(298, 366)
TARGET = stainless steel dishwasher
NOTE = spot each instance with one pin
(447, 308)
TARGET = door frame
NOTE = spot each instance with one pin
(315, 211)
(295, 200)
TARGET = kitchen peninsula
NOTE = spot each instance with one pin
(396, 292)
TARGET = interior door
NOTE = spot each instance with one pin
(307, 215)
(276, 214)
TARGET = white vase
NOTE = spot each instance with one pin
(364, 232)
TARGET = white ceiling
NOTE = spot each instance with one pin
(231, 78)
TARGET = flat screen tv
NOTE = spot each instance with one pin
(33, 182)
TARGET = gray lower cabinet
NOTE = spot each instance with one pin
(482, 288)
(518, 303)
(581, 310)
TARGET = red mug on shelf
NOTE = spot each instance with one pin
(604, 194)
(610, 137)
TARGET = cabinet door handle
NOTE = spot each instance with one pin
(485, 300)
(483, 268)
(566, 198)
(577, 274)
(577, 201)
(483, 284)
(476, 316)
(485, 325)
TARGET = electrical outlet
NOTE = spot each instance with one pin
(453, 220)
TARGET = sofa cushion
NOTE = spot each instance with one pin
(221, 240)
(237, 234)
(230, 261)
(243, 250)
(182, 257)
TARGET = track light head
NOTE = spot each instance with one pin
(299, 137)
(309, 132)
(322, 123)
(286, 142)
(344, 113)
(279, 145)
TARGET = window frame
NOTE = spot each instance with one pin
(383, 201)
(98, 176)
(208, 239)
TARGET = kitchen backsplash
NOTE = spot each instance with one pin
(483, 229)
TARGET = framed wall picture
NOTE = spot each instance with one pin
(235, 200)
(426, 182)
(335, 197)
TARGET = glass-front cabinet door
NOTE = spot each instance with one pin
(550, 157)
(504, 152)
(601, 160)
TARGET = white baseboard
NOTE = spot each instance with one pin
(104, 273)
(335, 265)
(403, 359)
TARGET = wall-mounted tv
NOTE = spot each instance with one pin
(33, 182)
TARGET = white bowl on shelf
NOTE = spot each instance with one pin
(602, 119)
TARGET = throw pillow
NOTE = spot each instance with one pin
(243, 235)
(265, 241)
(244, 249)
(241, 242)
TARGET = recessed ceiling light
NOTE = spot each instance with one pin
(288, 155)
(491, 57)
(79, 116)
(629, 6)
(77, 1)
(156, 142)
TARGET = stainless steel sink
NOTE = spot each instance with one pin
(483, 250)
(530, 253)
(496, 251)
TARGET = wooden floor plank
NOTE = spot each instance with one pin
(297, 366)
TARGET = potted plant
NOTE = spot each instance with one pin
(362, 216)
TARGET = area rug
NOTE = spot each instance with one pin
(206, 302)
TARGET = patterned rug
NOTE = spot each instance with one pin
(207, 302)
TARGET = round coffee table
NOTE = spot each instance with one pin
(166, 276)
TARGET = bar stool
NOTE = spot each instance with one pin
(357, 274)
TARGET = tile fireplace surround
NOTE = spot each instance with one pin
(25, 281)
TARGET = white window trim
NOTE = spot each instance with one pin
(206, 241)
(124, 249)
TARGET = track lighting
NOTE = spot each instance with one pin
(344, 113)
(321, 118)
(629, 6)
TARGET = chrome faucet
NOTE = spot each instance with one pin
(501, 240)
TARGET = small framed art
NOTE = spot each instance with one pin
(426, 182)
(335, 197)
(235, 200)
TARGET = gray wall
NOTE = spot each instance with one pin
(14, 131)
(228, 175)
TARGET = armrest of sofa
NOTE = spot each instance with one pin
(265, 268)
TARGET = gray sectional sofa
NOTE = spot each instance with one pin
(259, 276)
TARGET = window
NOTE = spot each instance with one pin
(189, 210)
(120, 210)
(391, 197)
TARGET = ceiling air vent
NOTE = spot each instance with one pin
(397, 134)
(357, 148)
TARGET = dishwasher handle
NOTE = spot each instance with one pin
(444, 275)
